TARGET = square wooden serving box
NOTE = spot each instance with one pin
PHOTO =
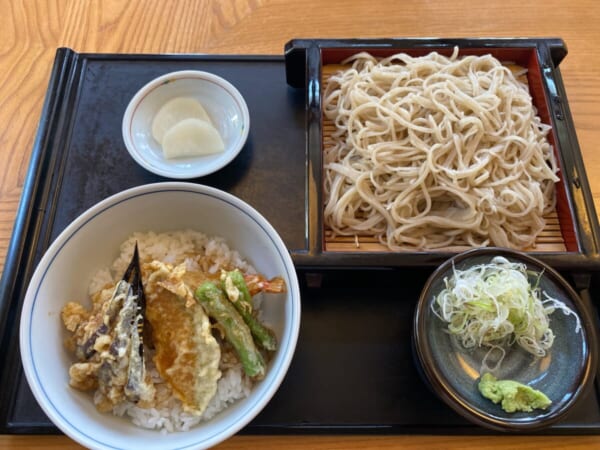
(569, 239)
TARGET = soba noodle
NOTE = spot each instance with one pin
(433, 152)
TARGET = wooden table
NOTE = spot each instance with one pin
(31, 30)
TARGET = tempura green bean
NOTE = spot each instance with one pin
(237, 333)
(263, 336)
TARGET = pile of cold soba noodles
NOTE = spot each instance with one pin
(434, 151)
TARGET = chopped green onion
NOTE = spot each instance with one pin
(494, 305)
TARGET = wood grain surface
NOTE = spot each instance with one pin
(31, 30)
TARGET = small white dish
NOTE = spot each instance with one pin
(223, 103)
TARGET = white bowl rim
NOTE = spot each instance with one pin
(201, 169)
(34, 378)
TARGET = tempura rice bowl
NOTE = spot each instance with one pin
(91, 242)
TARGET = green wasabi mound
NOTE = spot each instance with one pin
(514, 396)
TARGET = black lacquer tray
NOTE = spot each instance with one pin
(353, 371)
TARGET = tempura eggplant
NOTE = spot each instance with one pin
(87, 349)
(109, 345)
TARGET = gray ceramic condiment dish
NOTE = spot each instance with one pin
(564, 374)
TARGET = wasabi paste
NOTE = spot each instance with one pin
(514, 396)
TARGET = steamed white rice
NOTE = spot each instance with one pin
(171, 247)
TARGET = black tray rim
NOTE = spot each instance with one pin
(28, 230)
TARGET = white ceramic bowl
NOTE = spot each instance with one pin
(91, 242)
(221, 100)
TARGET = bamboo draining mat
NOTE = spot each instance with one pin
(549, 240)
